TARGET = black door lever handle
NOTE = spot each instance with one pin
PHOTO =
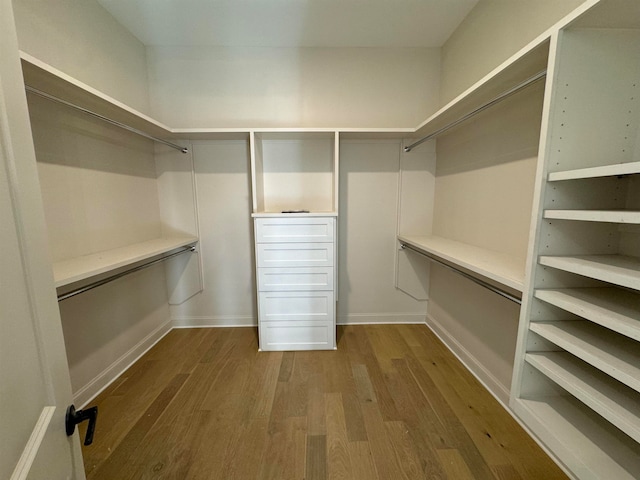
(74, 417)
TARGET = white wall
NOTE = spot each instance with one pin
(223, 190)
(492, 32)
(306, 87)
(367, 228)
(81, 39)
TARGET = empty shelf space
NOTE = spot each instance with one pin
(75, 269)
(614, 354)
(499, 267)
(610, 216)
(614, 402)
(595, 172)
(617, 269)
(614, 308)
(588, 444)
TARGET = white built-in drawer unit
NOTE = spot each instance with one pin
(296, 280)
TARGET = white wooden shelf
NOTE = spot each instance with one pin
(499, 267)
(630, 168)
(613, 308)
(76, 269)
(52, 81)
(617, 269)
(610, 216)
(614, 354)
(290, 215)
(614, 402)
(526, 63)
(589, 445)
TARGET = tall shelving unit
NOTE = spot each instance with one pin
(577, 364)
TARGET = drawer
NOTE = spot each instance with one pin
(295, 254)
(291, 279)
(296, 306)
(298, 229)
(297, 336)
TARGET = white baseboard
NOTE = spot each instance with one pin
(215, 321)
(484, 376)
(380, 318)
(92, 389)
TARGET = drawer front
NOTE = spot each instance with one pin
(292, 279)
(295, 254)
(296, 306)
(299, 229)
(297, 336)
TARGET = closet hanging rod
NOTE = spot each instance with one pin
(105, 119)
(98, 283)
(480, 282)
(491, 103)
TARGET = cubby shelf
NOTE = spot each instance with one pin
(76, 269)
(619, 169)
(589, 445)
(613, 308)
(610, 216)
(618, 404)
(614, 354)
(617, 269)
(499, 267)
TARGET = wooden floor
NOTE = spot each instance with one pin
(390, 403)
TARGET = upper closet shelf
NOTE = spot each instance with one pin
(523, 65)
(499, 267)
(52, 81)
(596, 172)
(76, 269)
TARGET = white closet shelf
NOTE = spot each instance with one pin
(630, 168)
(589, 445)
(617, 269)
(499, 267)
(617, 404)
(524, 64)
(609, 352)
(52, 81)
(289, 215)
(610, 216)
(76, 269)
(613, 308)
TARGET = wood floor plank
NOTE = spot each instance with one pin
(384, 456)
(391, 403)
(362, 466)
(405, 451)
(455, 465)
(316, 468)
(338, 461)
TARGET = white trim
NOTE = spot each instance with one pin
(381, 318)
(91, 390)
(21, 472)
(215, 321)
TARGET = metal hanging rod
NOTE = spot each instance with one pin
(491, 103)
(91, 286)
(106, 119)
(480, 282)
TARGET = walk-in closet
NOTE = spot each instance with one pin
(313, 240)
